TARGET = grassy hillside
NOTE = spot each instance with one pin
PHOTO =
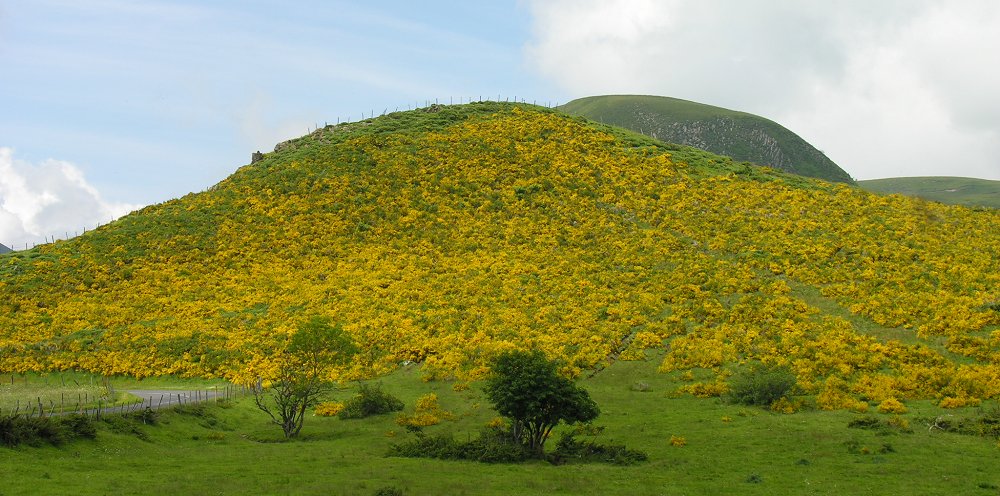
(446, 235)
(743, 136)
(951, 190)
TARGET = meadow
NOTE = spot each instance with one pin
(727, 449)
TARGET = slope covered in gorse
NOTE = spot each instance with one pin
(445, 235)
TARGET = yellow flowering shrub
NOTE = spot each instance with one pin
(891, 405)
(958, 401)
(898, 422)
(704, 389)
(786, 406)
(426, 412)
(508, 227)
(328, 409)
(835, 396)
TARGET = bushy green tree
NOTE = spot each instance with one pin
(527, 388)
(302, 375)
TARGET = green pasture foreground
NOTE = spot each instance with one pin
(729, 450)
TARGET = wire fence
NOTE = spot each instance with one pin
(426, 103)
(98, 406)
(47, 239)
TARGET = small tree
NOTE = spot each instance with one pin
(301, 378)
(526, 388)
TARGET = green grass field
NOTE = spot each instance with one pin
(730, 450)
(952, 190)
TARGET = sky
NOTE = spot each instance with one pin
(110, 105)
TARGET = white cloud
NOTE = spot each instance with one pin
(885, 88)
(39, 201)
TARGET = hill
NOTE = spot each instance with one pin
(742, 136)
(951, 190)
(445, 235)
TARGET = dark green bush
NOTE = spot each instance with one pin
(569, 449)
(146, 416)
(51, 431)
(370, 400)
(193, 409)
(125, 424)
(761, 386)
(37, 431)
(15, 430)
(869, 422)
(881, 427)
(388, 491)
(498, 445)
(493, 445)
(80, 426)
(441, 447)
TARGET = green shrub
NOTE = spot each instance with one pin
(568, 449)
(370, 400)
(125, 424)
(760, 386)
(869, 422)
(147, 416)
(51, 431)
(37, 431)
(499, 445)
(493, 445)
(193, 409)
(388, 491)
(441, 447)
(80, 426)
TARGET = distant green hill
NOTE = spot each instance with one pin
(743, 136)
(952, 190)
